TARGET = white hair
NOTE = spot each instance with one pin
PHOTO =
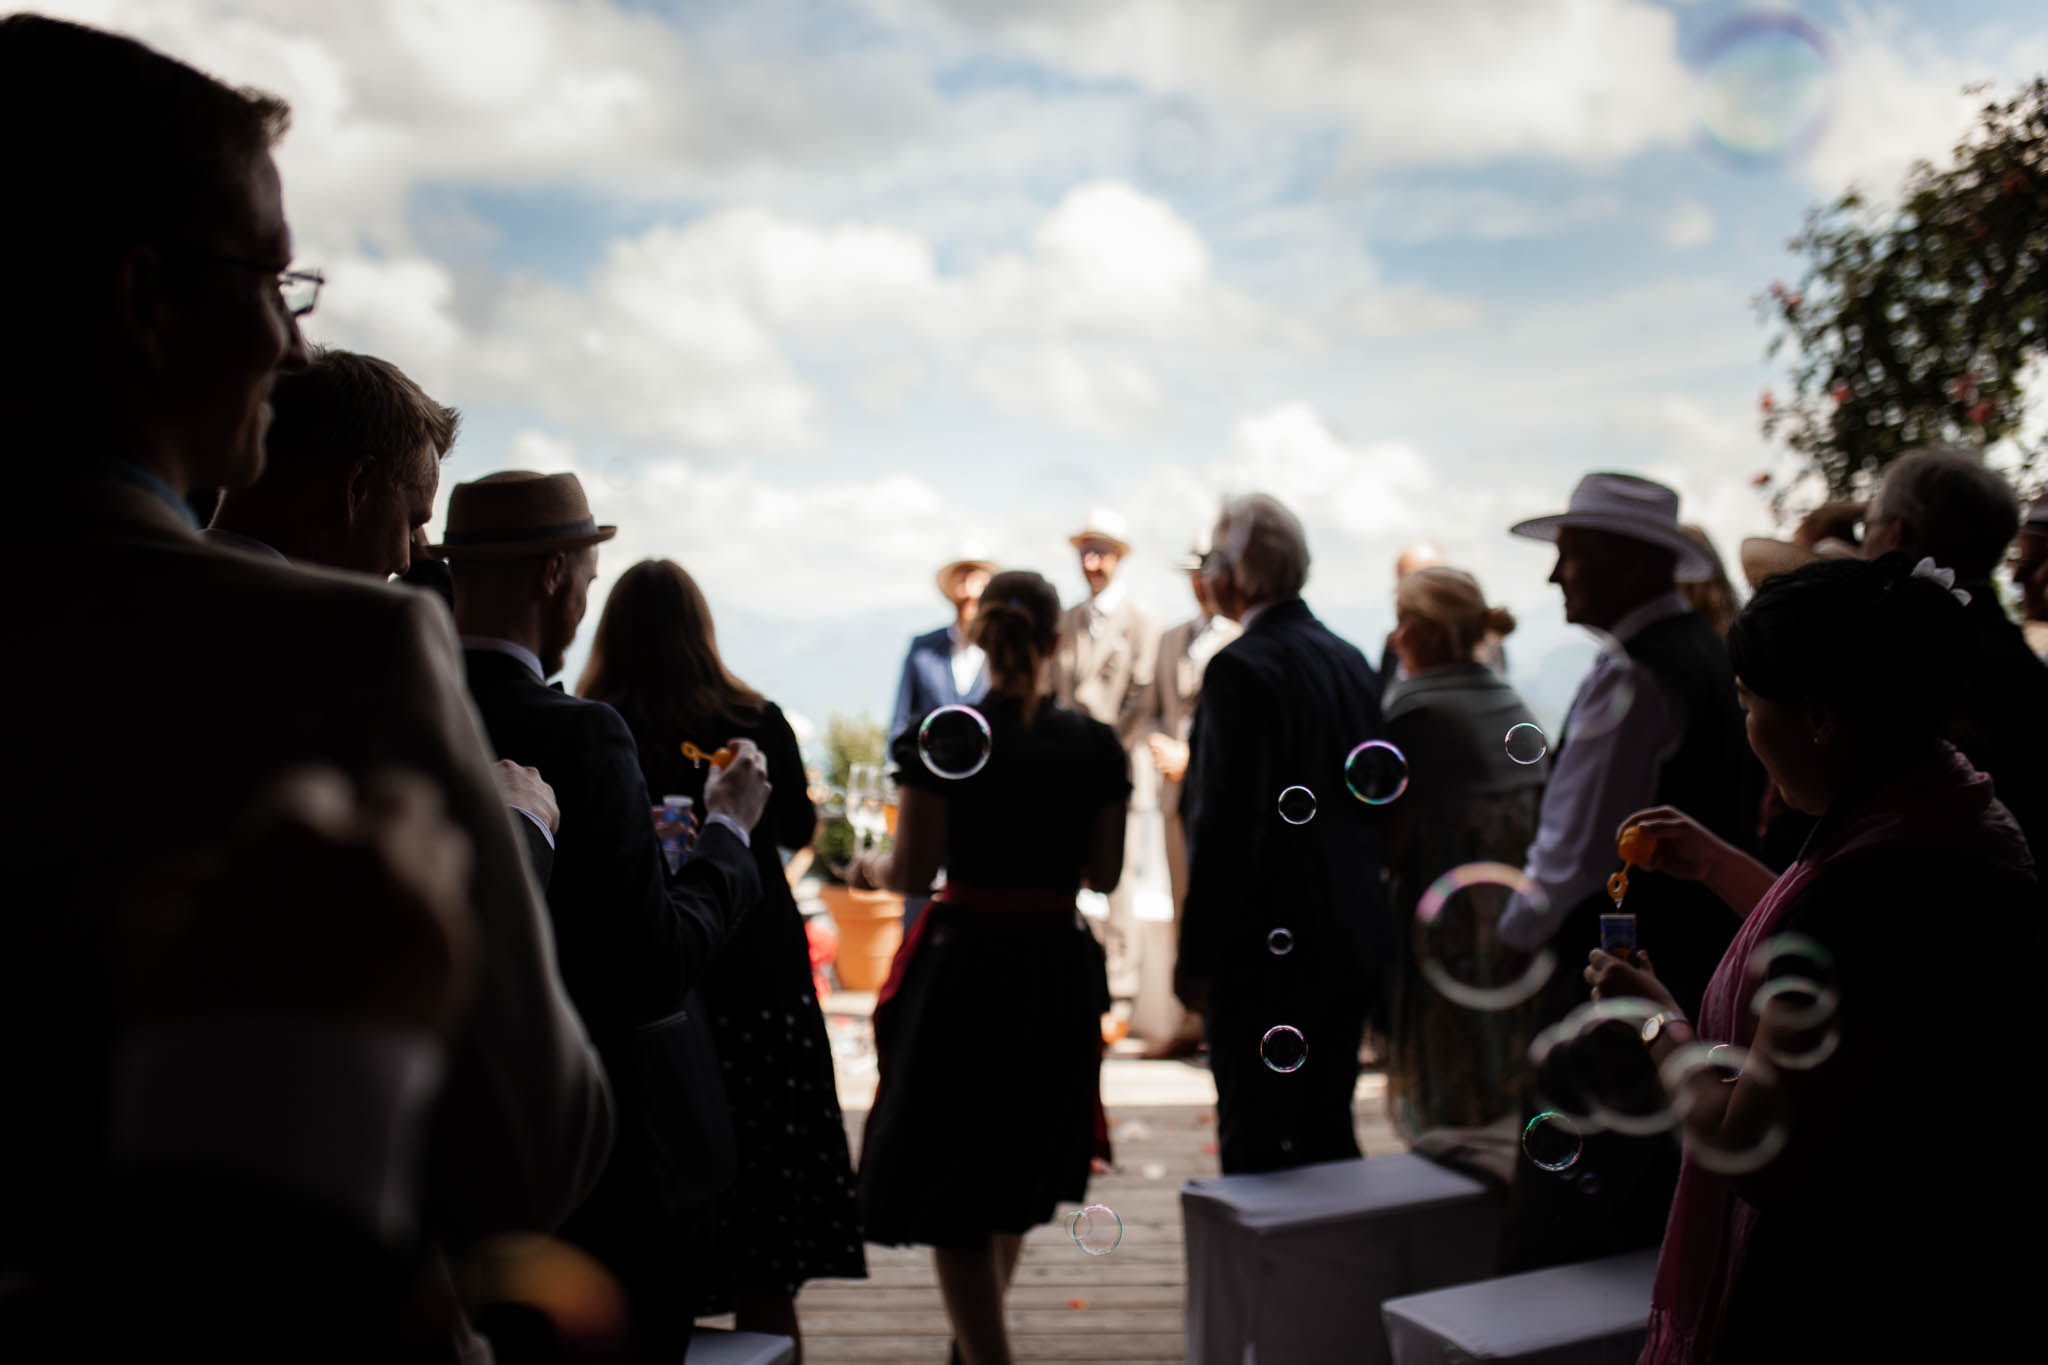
(1260, 546)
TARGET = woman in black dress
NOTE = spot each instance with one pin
(790, 1215)
(989, 1029)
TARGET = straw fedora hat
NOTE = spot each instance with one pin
(1626, 505)
(1103, 524)
(518, 512)
(951, 572)
(1827, 532)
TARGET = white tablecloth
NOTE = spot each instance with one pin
(1593, 1313)
(1290, 1268)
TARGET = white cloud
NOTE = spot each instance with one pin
(1458, 81)
(1690, 224)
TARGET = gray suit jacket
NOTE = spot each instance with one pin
(178, 680)
(1106, 672)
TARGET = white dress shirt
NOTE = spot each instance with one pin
(967, 660)
(532, 662)
(1606, 772)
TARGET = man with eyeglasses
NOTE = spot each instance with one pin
(146, 262)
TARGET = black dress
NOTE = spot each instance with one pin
(991, 1044)
(789, 1215)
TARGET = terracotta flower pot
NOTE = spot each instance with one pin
(870, 925)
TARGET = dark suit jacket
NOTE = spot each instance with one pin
(633, 943)
(1281, 706)
(927, 682)
(225, 670)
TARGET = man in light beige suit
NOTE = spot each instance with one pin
(151, 304)
(1184, 652)
(1103, 666)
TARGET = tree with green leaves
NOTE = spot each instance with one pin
(1914, 324)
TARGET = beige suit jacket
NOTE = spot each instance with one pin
(178, 679)
(1107, 672)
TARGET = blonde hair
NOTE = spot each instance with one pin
(1451, 598)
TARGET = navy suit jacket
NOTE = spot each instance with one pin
(928, 680)
(633, 944)
(1281, 706)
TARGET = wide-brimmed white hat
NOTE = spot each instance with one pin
(968, 557)
(1103, 524)
(1626, 505)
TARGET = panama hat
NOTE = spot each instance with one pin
(1103, 524)
(972, 557)
(1626, 505)
(1827, 532)
(518, 512)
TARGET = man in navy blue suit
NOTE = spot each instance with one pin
(942, 668)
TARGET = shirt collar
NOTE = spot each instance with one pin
(136, 476)
(496, 646)
(221, 536)
(1659, 608)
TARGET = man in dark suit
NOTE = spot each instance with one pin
(352, 463)
(150, 305)
(633, 942)
(1281, 706)
(943, 667)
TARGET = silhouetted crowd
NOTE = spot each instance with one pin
(356, 983)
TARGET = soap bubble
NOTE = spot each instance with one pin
(1764, 86)
(1793, 976)
(1096, 1229)
(1527, 744)
(1283, 1048)
(1376, 772)
(1552, 1141)
(1693, 1075)
(954, 741)
(1592, 1065)
(1280, 942)
(1297, 805)
(1458, 942)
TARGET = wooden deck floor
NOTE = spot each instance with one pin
(1066, 1305)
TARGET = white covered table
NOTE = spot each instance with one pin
(1292, 1266)
(1592, 1313)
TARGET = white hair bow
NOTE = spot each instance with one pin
(1941, 577)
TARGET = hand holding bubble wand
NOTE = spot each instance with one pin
(718, 758)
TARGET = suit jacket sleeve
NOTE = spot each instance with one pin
(1134, 716)
(906, 696)
(674, 926)
(1228, 781)
(525, 1120)
(540, 854)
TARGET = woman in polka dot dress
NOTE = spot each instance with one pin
(790, 1216)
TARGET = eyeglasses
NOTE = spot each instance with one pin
(297, 290)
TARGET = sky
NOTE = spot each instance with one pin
(815, 296)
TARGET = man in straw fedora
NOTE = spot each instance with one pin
(634, 941)
(943, 667)
(1103, 665)
(1654, 722)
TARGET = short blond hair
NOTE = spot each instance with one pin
(1261, 547)
(1451, 598)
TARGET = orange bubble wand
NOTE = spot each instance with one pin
(1636, 849)
(718, 758)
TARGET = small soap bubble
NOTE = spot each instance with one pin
(1283, 1048)
(1096, 1229)
(1458, 942)
(1376, 772)
(1765, 79)
(954, 741)
(1693, 1076)
(1552, 1141)
(1527, 744)
(1297, 805)
(1280, 942)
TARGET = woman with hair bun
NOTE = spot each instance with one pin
(961, 1155)
(1917, 887)
(1472, 797)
